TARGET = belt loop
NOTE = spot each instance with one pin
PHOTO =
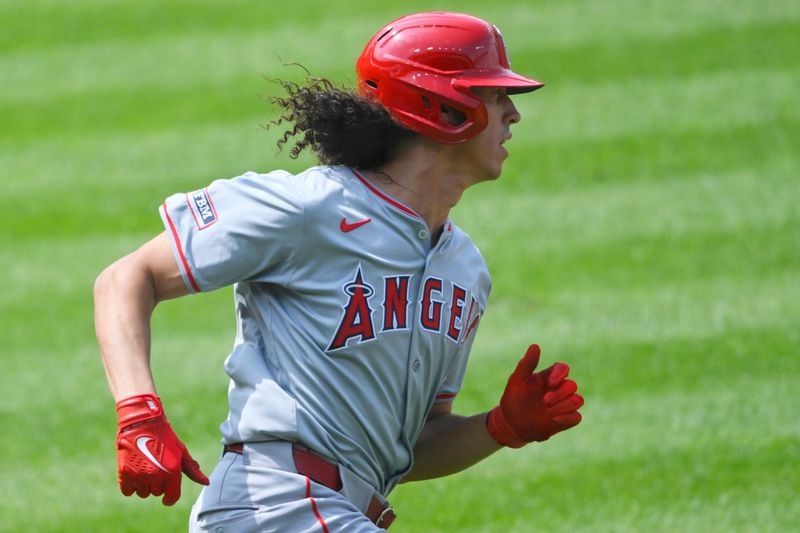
(386, 515)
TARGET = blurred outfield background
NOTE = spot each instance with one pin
(646, 230)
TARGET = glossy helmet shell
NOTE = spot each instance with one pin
(421, 62)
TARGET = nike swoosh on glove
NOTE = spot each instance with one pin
(150, 457)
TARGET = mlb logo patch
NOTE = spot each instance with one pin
(202, 208)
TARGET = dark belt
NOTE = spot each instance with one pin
(326, 473)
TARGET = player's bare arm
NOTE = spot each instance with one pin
(125, 295)
(450, 443)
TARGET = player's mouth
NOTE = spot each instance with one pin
(504, 141)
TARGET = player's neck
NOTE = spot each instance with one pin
(424, 183)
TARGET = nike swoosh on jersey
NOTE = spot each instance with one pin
(141, 443)
(348, 227)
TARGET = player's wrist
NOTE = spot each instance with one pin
(139, 408)
(501, 431)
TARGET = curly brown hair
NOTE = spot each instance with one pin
(339, 125)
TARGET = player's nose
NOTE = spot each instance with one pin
(512, 113)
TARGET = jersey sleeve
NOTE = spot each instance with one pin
(246, 228)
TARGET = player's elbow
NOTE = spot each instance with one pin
(148, 275)
(107, 279)
(123, 278)
(102, 283)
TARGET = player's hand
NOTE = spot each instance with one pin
(535, 405)
(150, 457)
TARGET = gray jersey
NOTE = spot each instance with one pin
(350, 326)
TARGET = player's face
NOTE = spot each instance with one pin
(485, 152)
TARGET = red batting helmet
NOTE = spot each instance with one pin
(421, 62)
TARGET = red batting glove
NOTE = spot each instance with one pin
(535, 405)
(150, 457)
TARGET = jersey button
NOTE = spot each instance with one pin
(416, 365)
(423, 234)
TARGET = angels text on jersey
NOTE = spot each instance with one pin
(361, 320)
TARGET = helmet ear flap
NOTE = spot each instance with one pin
(449, 119)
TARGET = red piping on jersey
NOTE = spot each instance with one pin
(177, 239)
(446, 396)
(383, 197)
(314, 506)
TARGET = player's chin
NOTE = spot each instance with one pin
(493, 173)
(496, 169)
(491, 167)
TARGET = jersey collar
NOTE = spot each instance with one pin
(385, 197)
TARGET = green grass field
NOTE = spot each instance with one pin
(646, 230)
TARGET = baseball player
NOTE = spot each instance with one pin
(357, 298)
